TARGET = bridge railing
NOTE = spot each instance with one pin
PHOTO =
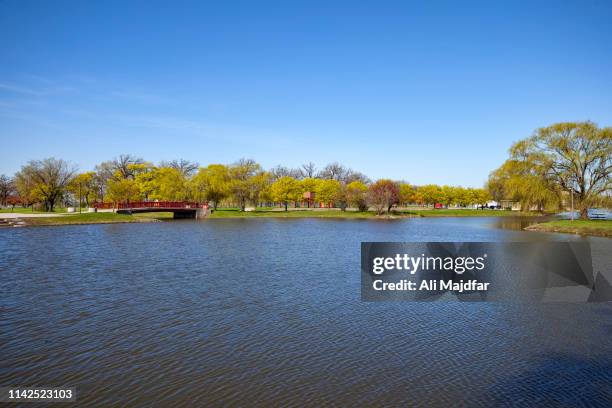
(150, 204)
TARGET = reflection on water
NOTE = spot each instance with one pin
(268, 312)
(517, 223)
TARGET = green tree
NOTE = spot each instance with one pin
(144, 174)
(211, 183)
(84, 187)
(407, 193)
(432, 194)
(481, 196)
(357, 195)
(122, 190)
(169, 184)
(571, 156)
(327, 191)
(243, 185)
(48, 179)
(309, 184)
(260, 186)
(521, 181)
(342, 196)
(286, 189)
(449, 195)
(418, 196)
(462, 197)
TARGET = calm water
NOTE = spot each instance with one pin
(267, 312)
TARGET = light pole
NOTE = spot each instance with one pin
(572, 195)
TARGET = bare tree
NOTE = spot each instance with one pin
(309, 169)
(122, 164)
(7, 188)
(104, 172)
(186, 167)
(50, 178)
(352, 175)
(333, 171)
(282, 171)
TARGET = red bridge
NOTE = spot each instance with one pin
(181, 209)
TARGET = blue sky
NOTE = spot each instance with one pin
(428, 92)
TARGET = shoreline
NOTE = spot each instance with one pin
(596, 228)
(58, 219)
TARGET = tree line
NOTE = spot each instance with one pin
(127, 178)
(562, 163)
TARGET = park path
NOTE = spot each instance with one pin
(27, 215)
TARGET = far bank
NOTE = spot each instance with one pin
(60, 218)
(601, 228)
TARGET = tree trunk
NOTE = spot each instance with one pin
(584, 213)
(286, 203)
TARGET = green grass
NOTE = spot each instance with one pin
(109, 217)
(235, 213)
(28, 210)
(336, 213)
(584, 227)
(96, 218)
(459, 212)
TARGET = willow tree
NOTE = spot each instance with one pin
(575, 157)
(243, 183)
(522, 181)
(169, 184)
(211, 183)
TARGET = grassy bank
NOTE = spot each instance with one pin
(335, 213)
(584, 227)
(96, 218)
(110, 218)
(28, 210)
(234, 213)
(459, 212)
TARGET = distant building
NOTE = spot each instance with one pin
(309, 198)
(510, 204)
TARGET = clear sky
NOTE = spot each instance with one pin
(428, 92)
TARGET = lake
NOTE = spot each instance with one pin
(267, 312)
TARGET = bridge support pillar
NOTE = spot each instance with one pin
(202, 213)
